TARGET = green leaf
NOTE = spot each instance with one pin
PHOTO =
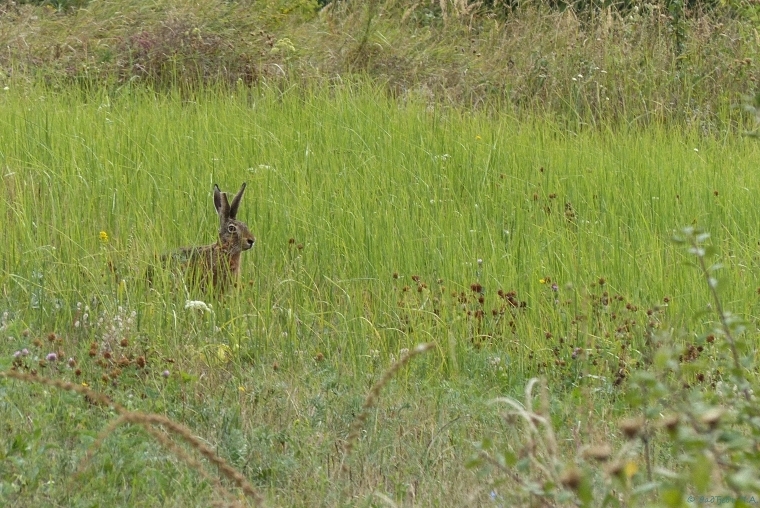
(672, 497)
(510, 458)
(748, 501)
(585, 491)
(744, 480)
(474, 462)
(646, 487)
(610, 499)
(701, 469)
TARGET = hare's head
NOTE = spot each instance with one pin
(234, 236)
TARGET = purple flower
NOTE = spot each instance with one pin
(51, 357)
(555, 287)
(165, 373)
(24, 352)
(17, 354)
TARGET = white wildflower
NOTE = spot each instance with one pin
(197, 305)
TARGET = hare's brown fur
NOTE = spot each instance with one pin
(218, 263)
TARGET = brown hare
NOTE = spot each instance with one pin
(218, 263)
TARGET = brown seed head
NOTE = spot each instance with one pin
(712, 417)
(600, 453)
(571, 478)
(615, 469)
(671, 422)
(631, 427)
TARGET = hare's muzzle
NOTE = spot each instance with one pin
(248, 243)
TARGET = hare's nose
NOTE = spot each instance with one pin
(250, 242)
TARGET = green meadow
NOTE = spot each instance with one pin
(518, 249)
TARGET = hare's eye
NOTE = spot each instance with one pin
(232, 228)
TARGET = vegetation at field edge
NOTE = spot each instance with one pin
(676, 63)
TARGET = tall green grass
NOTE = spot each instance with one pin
(371, 192)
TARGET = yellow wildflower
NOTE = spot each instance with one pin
(104, 237)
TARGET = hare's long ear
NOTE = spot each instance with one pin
(221, 204)
(236, 202)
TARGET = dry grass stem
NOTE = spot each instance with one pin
(149, 421)
(373, 396)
